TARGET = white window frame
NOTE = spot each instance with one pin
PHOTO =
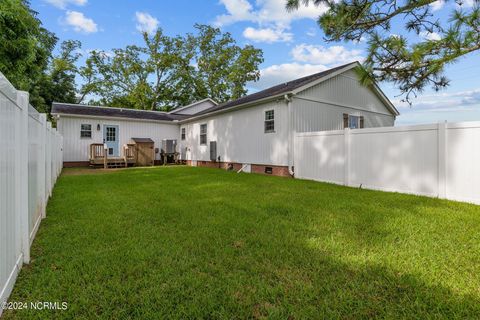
(83, 131)
(269, 121)
(203, 134)
(183, 134)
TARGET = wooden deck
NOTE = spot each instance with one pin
(98, 156)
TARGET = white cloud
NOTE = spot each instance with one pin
(274, 11)
(445, 101)
(267, 14)
(238, 10)
(437, 5)
(62, 4)
(146, 23)
(317, 54)
(466, 3)
(430, 35)
(80, 23)
(267, 35)
(308, 59)
(280, 73)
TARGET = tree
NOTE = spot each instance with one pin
(25, 48)
(58, 82)
(217, 67)
(168, 72)
(412, 63)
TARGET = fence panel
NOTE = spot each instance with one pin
(438, 160)
(10, 223)
(30, 162)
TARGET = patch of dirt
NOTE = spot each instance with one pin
(84, 171)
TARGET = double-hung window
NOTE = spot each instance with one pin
(85, 131)
(269, 125)
(183, 133)
(203, 134)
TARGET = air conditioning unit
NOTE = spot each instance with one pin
(169, 146)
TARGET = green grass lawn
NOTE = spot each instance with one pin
(181, 242)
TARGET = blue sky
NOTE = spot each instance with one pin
(293, 44)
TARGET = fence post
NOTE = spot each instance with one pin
(21, 174)
(48, 160)
(442, 160)
(346, 145)
(42, 163)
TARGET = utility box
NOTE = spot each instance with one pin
(169, 146)
(213, 150)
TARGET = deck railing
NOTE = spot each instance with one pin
(97, 151)
(129, 154)
(98, 155)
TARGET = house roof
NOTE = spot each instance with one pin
(79, 109)
(177, 110)
(284, 88)
(290, 87)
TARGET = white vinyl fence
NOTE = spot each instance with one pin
(438, 160)
(30, 162)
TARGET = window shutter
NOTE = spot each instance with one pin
(362, 122)
(345, 120)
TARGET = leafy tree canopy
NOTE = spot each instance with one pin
(412, 63)
(26, 56)
(25, 47)
(167, 72)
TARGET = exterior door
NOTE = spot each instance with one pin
(110, 138)
(145, 153)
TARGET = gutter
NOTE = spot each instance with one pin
(57, 115)
(288, 99)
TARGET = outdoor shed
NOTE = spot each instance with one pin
(145, 151)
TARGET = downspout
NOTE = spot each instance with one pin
(288, 99)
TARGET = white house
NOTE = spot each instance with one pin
(255, 132)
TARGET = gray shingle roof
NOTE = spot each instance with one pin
(284, 88)
(275, 90)
(79, 109)
(142, 140)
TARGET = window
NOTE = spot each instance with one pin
(352, 122)
(183, 133)
(86, 131)
(269, 121)
(203, 133)
(111, 134)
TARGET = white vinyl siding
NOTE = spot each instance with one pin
(240, 136)
(321, 107)
(77, 149)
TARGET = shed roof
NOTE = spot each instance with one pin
(142, 140)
